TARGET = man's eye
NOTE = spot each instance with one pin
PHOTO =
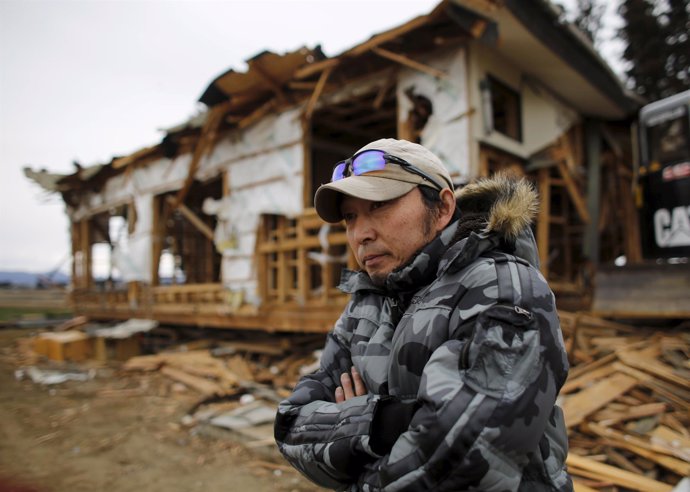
(348, 217)
(375, 205)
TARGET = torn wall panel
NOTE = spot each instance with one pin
(264, 175)
(157, 177)
(269, 134)
(446, 131)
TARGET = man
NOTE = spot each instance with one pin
(443, 370)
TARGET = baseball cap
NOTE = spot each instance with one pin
(391, 182)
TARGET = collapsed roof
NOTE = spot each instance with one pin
(533, 35)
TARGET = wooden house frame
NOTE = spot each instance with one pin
(225, 200)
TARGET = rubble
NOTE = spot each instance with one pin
(626, 404)
(626, 400)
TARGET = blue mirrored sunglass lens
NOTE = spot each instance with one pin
(368, 161)
(338, 171)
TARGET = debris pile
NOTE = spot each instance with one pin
(626, 400)
(626, 405)
(239, 382)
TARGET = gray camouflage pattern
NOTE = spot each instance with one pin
(484, 373)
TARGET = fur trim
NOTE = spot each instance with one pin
(509, 203)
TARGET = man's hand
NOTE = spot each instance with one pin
(351, 386)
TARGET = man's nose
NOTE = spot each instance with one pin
(364, 230)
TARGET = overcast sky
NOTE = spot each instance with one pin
(86, 80)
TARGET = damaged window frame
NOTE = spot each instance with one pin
(501, 103)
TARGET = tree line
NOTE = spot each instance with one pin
(656, 34)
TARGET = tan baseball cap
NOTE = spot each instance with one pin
(393, 181)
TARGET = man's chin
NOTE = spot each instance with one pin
(378, 278)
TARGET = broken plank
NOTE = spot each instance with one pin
(586, 368)
(656, 446)
(676, 465)
(267, 348)
(616, 475)
(144, 363)
(586, 378)
(72, 324)
(666, 437)
(663, 389)
(415, 65)
(202, 385)
(652, 366)
(579, 405)
(637, 412)
(580, 487)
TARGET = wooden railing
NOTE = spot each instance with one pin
(300, 260)
(298, 269)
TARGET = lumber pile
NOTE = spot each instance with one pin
(267, 367)
(626, 404)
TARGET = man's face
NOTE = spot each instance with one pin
(385, 235)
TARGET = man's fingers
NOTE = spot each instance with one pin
(350, 386)
(360, 389)
(346, 382)
(339, 395)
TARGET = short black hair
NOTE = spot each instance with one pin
(432, 201)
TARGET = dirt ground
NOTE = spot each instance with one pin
(118, 432)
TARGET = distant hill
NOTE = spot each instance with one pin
(28, 279)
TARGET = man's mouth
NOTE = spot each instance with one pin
(371, 259)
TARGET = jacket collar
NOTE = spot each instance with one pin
(420, 271)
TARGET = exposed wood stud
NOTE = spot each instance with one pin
(323, 78)
(403, 60)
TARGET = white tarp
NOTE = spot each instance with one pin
(127, 328)
(264, 173)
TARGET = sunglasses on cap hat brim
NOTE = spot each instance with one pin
(371, 160)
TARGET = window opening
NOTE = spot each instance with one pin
(505, 108)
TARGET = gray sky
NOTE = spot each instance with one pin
(87, 80)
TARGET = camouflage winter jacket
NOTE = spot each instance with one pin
(462, 355)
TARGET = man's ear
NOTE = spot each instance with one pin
(447, 208)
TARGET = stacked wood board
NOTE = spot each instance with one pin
(626, 404)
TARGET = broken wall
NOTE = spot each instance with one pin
(264, 172)
(447, 131)
(136, 187)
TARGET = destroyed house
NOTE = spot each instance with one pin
(215, 226)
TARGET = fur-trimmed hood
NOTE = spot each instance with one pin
(503, 205)
(507, 203)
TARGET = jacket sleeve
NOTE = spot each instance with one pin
(484, 400)
(327, 441)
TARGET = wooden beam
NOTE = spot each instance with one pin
(157, 228)
(415, 65)
(574, 192)
(616, 475)
(193, 218)
(275, 86)
(543, 220)
(206, 139)
(665, 453)
(384, 90)
(317, 67)
(589, 400)
(387, 36)
(85, 236)
(317, 93)
(200, 384)
(257, 114)
(301, 86)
